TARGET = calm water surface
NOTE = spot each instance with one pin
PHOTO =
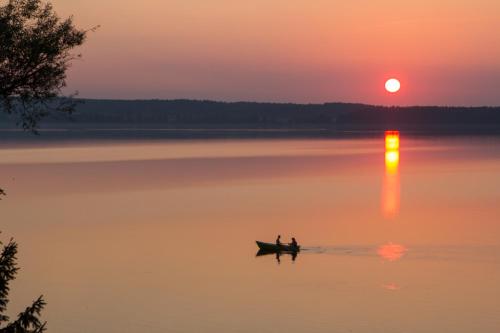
(160, 237)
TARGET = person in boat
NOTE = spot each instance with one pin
(278, 240)
(294, 243)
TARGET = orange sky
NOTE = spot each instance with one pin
(444, 52)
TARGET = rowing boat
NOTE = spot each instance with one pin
(272, 247)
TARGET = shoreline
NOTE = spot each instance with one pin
(51, 136)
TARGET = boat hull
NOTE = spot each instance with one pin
(270, 247)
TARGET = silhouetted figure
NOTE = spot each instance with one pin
(294, 255)
(278, 254)
(278, 241)
(294, 243)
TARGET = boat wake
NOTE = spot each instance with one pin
(342, 250)
(392, 252)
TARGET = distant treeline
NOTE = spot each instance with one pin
(210, 114)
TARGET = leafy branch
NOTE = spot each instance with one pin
(27, 321)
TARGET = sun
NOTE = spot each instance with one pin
(392, 85)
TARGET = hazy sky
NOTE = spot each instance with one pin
(444, 52)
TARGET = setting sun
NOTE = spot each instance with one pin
(392, 85)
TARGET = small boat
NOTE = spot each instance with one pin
(271, 247)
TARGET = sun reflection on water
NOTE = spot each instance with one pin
(391, 251)
(391, 186)
(391, 140)
(391, 161)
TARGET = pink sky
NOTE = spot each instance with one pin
(444, 52)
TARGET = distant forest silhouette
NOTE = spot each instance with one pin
(233, 115)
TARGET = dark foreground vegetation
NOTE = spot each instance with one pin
(27, 321)
(35, 52)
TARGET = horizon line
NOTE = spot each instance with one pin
(282, 102)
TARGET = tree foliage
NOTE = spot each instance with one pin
(27, 321)
(35, 52)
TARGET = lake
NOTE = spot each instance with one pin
(138, 236)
